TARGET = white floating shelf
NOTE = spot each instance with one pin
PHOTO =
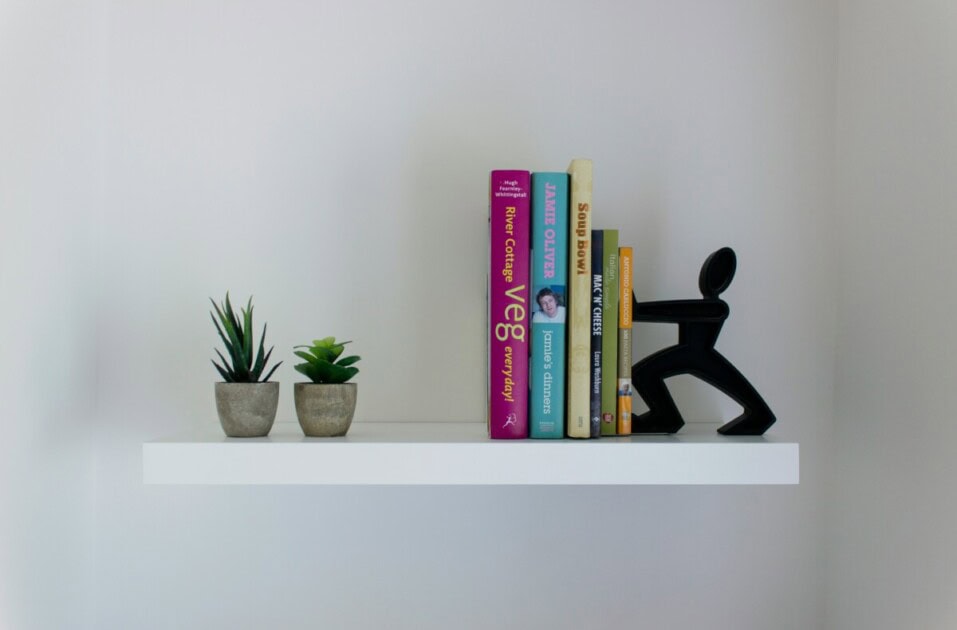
(446, 453)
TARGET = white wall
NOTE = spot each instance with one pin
(50, 189)
(331, 159)
(894, 515)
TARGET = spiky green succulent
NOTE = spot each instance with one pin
(323, 363)
(238, 338)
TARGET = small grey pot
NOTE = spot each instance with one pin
(247, 409)
(325, 410)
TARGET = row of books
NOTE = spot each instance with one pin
(560, 300)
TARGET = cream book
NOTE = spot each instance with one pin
(578, 417)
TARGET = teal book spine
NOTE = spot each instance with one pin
(549, 292)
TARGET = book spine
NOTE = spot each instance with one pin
(579, 298)
(609, 335)
(625, 255)
(509, 197)
(597, 294)
(549, 290)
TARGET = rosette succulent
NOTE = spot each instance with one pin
(323, 361)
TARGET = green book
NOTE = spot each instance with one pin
(609, 332)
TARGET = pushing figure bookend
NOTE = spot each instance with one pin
(699, 323)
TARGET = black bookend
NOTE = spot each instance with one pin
(699, 323)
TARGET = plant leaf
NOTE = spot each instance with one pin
(271, 371)
(225, 363)
(308, 357)
(228, 318)
(221, 371)
(231, 347)
(248, 332)
(309, 370)
(228, 311)
(322, 353)
(237, 329)
(347, 361)
(219, 329)
(338, 348)
(264, 362)
(330, 373)
(260, 358)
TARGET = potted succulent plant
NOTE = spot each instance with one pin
(246, 404)
(325, 405)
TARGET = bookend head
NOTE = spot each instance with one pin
(717, 272)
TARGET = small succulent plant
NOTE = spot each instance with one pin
(238, 337)
(323, 364)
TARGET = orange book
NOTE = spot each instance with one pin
(625, 284)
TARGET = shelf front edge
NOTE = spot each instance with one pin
(524, 462)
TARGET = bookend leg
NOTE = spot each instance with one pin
(648, 378)
(757, 416)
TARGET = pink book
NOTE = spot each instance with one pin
(509, 212)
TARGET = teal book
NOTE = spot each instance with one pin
(549, 290)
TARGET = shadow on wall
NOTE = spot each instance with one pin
(446, 238)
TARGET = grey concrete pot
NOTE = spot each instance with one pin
(247, 409)
(325, 410)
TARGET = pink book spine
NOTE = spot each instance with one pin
(509, 221)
